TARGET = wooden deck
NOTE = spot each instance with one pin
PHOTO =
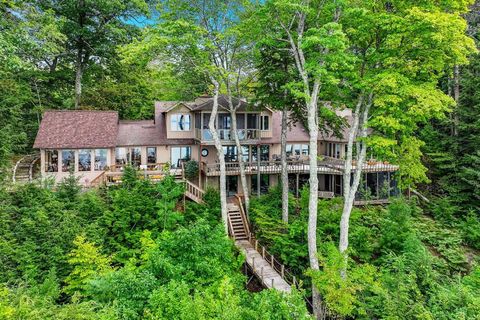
(262, 268)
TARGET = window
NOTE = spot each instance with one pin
(264, 183)
(265, 123)
(121, 156)
(51, 161)
(135, 156)
(252, 121)
(246, 153)
(334, 150)
(298, 149)
(179, 155)
(151, 155)
(264, 153)
(100, 159)
(68, 160)
(230, 153)
(180, 122)
(84, 160)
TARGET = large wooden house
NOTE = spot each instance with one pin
(96, 146)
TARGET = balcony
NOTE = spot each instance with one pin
(301, 166)
(226, 135)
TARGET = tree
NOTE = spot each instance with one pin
(275, 70)
(389, 97)
(317, 45)
(92, 29)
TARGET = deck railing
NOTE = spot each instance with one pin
(274, 263)
(326, 165)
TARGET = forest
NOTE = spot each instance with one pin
(407, 71)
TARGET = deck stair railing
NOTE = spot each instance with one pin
(274, 262)
(193, 192)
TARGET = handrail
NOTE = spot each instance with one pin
(193, 189)
(98, 180)
(336, 166)
(242, 213)
(274, 263)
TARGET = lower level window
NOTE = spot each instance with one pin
(84, 160)
(121, 156)
(68, 160)
(179, 155)
(264, 183)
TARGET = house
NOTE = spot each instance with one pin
(96, 146)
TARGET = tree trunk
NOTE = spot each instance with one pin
(221, 157)
(313, 200)
(78, 78)
(81, 59)
(243, 176)
(350, 189)
(284, 165)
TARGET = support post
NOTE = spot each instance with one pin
(258, 170)
(261, 274)
(253, 264)
(271, 261)
(263, 252)
(282, 271)
(256, 245)
(297, 185)
(272, 282)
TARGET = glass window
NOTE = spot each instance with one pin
(100, 159)
(264, 183)
(51, 161)
(297, 149)
(84, 160)
(135, 156)
(180, 122)
(121, 156)
(252, 121)
(151, 155)
(289, 149)
(68, 160)
(230, 153)
(305, 149)
(245, 153)
(265, 123)
(264, 153)
(179, 155)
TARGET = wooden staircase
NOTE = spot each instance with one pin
(24, 170)
(237, 222)
(193, 192)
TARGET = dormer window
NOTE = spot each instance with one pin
(180, 122)
(264, 123)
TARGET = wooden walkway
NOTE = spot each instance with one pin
(263, 269)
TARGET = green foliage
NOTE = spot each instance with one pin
(191, 169)
(88, 263)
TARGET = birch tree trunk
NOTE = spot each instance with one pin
(283, 144)
(243, 176)
(221, 158)
(351, 187)
(78, 79)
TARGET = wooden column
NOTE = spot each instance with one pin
(258, 170)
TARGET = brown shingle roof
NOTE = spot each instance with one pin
(146, 133)
(77, 129)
